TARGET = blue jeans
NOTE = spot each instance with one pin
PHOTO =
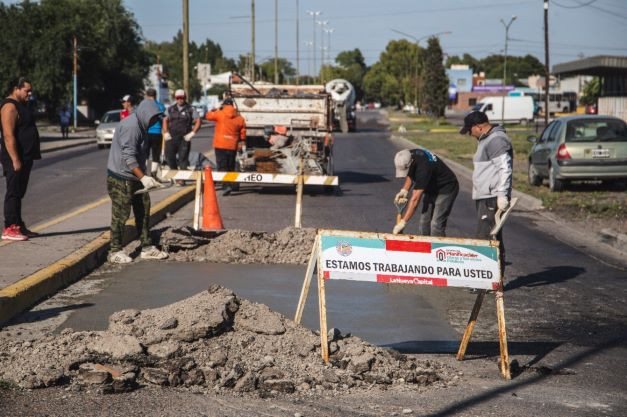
(434, 212)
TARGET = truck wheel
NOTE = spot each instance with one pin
(523, 122)
(101, 146)
(555, 185)
(532, 176)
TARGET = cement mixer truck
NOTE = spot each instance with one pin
(343, 96)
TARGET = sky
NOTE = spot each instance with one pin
(599, 28)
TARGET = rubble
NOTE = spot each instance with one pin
(213, 340)
(287, 246)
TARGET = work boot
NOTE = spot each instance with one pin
(119, 257)
(152, 252)
(13, 232)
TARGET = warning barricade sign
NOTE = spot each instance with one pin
(407, 259)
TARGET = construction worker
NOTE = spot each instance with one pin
(180, 126)
(127, 106)
(126, 169)
(229, 137)
(433, 182)
(155, 138)
(492, 174)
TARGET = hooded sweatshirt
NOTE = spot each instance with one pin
(129, 148)
(230, 128)
(493, 161)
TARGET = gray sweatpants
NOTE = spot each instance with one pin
(486, 211)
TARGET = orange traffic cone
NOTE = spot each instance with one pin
(211, 219)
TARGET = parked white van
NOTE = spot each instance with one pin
(517, 109)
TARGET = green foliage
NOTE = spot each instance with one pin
(394, 78)
(286, 70)
(591, 91)
(351, 67)
(517, 66)
(435, 87)
(170, 55)
(37, 42)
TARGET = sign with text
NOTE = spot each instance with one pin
(419, 260)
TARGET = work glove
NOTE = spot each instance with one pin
(401, 197)
(149, 182)
(398, 229)
(502, 202)
(167, 136)
(189, 136)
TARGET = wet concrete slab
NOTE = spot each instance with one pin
(388, 315)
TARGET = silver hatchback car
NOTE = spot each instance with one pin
(106, 128)
(579, 148)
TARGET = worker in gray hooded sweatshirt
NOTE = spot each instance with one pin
(126, 170)
(492, 174)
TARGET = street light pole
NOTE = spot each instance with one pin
(322, 24)
(297, 46)
(505, 65)
(252, 41)
(75, 79)
(313, 15)
(276, 42)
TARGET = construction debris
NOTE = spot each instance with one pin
(213, 341)
(287, 246)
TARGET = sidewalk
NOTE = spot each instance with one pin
(69, 247)
(52, 141)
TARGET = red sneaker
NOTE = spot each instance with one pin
(13, 232)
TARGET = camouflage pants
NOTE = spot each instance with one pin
(122, 194)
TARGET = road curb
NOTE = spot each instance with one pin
(68, 146)
(30, 290)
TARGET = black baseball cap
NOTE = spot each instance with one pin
(473, 118)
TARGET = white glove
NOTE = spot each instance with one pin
(401, 197)
(149, 182)
(189, 136)
(398, 229)
(502, 202)
(167, 136)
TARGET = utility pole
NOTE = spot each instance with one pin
(546, 63)
(298, 46)
(276, 42)
(252, 41)
(186, 46)
(75, 80)
(505, 65)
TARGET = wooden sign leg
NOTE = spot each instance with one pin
(197, 202)
(500, 313)
(323, 316)
(305, 290)
(470, 326)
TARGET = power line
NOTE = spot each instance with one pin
(578, 6)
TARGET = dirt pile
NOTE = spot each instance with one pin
(213, 340)
(287, 246)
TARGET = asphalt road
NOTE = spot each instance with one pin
(66, 179)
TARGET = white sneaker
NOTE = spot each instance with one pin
(151, 252)
(119, 258)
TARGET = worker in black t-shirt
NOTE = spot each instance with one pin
(432, 181)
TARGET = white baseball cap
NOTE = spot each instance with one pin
(179, 93)
(126, 98)
(402, 161)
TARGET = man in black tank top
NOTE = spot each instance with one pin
(20, 147)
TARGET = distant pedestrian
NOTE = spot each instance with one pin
(64, 120)
(126, 170)
(20, 147)
(229, 137)
(127, 107)
(155, 136)
(180, 126)
(434, 184)
(492, 175)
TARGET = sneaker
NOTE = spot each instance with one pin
(119, 257)
(152, 252)
(13, 232)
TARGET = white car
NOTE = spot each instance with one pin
(106, 128)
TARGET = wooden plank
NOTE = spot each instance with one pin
(196, 224)
(322, 305)
(470, 326)
(299, 196)
(305, 290)
(500, 313)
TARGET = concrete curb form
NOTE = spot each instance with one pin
(68, 146)
(27, 292)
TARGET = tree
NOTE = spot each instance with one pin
(518, 67)
(286, 70)
(37, 42)
(591, 90)
(435, 88)
(351, 67)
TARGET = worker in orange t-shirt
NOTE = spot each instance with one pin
(228, 138)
